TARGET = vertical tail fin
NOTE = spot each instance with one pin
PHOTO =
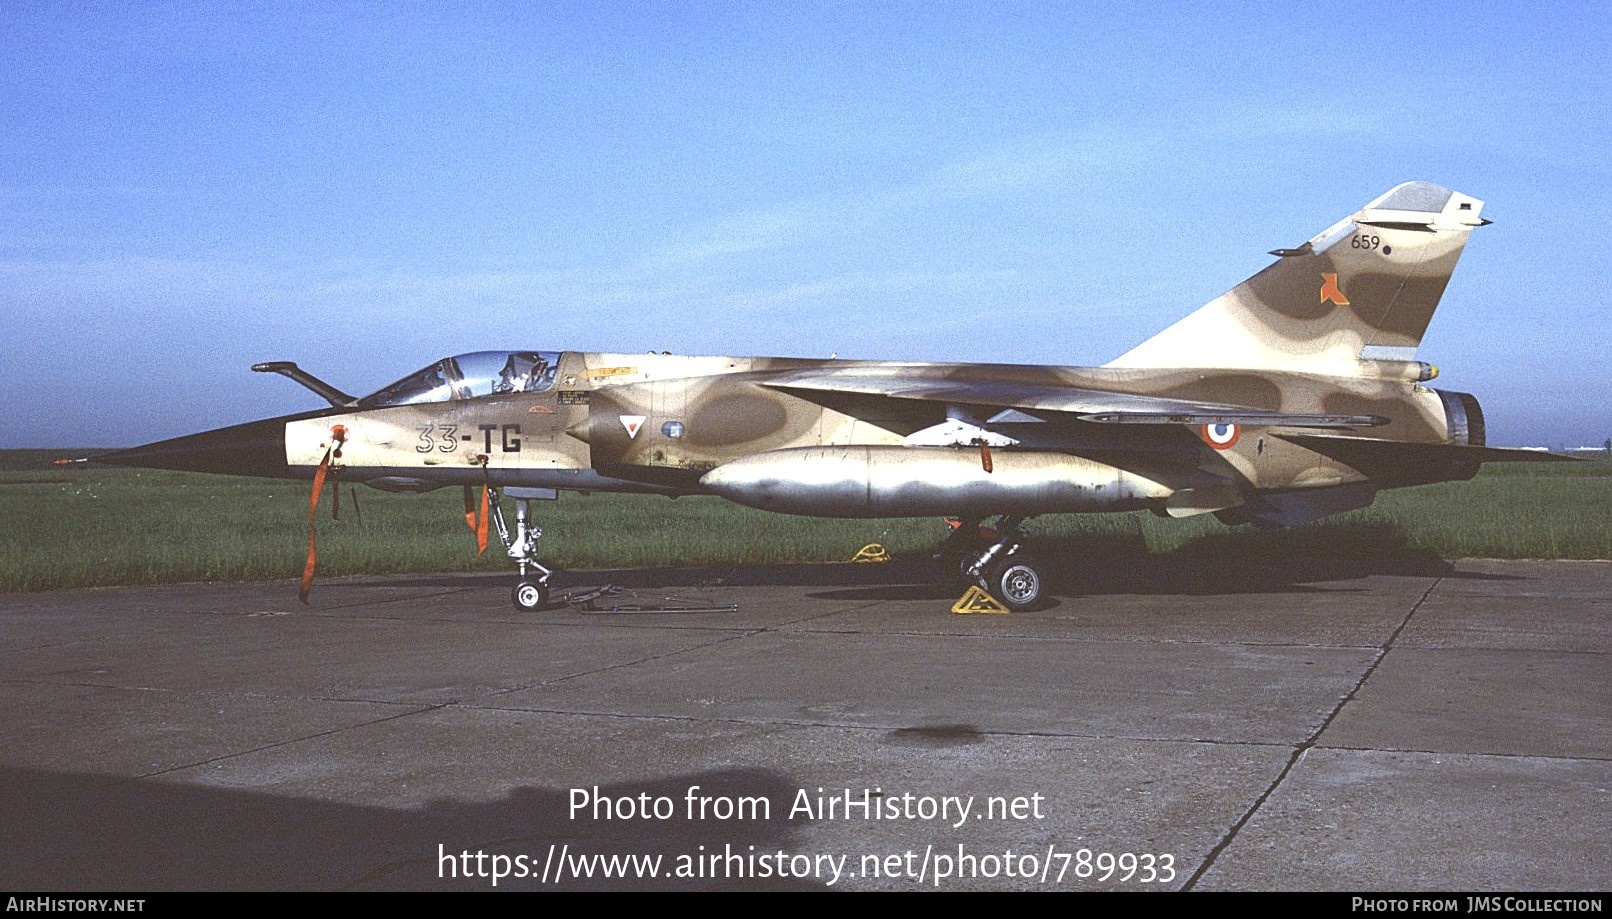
(1361, 291)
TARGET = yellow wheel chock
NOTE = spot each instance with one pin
(976, 600)
(872, 552)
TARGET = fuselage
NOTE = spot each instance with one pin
(677, 424)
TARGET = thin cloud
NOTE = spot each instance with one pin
(738, 234)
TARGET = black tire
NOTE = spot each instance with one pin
(530, 595)
(951, 565)
(1017, 582)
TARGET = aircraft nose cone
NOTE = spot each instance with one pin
(256, 448)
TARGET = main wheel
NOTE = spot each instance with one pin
(531, 595)
(1016, 582)
(951, 565)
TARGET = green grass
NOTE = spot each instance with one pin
(84, 525)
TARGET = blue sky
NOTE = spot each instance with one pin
(186, 189)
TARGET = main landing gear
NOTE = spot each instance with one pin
(994, 559)
(532, 590)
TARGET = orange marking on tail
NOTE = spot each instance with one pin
(1330, 291)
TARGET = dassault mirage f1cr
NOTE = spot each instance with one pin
(1292, 396)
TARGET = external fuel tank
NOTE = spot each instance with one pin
(889, 481)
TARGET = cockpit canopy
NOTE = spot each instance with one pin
(467, 376)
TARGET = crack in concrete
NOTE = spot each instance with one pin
(1309, 742)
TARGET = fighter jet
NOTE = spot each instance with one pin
(1295, 395)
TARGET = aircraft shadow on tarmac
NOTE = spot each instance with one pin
(911, 580)
(68, 832)
(1236, 562)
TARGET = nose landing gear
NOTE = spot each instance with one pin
(532, 589)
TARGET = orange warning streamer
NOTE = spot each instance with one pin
(313, 505)
(338, 436)
(476, 518)
(481, 522)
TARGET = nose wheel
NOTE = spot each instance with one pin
(531, 595)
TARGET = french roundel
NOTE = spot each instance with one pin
(1220, 436)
